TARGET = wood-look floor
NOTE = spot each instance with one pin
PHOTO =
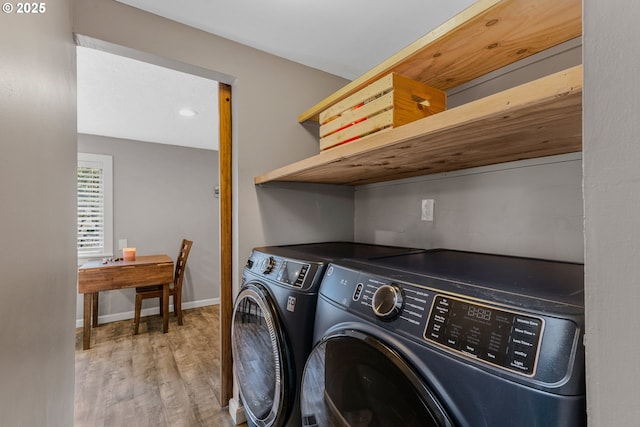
(151, 379)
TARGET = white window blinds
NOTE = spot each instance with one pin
(94, 205)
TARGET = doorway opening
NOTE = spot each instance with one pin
(220, 251)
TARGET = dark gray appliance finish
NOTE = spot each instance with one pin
(333, 251)
(477, 343)
(552, 281)
(273, 323)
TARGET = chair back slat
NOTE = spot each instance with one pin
(181, 264)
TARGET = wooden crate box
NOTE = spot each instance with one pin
(389, 102)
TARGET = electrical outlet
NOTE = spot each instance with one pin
(427, 210)
(122, 243)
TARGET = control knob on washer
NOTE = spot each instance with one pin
(388, 301)
(268, 264)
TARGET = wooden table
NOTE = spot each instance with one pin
(95, 276)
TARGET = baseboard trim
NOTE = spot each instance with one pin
(114, 317)
(236, 411)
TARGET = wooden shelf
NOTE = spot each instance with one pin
(537, 119)
(540, 118)
(488, 35)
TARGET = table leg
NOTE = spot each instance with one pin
(165, 308)
(86, 334)
(94, 323)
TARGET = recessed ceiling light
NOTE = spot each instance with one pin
(187, 112)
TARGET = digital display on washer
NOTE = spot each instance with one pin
(503, 338)
(292, 273)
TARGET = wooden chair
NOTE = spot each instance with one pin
(155, 291)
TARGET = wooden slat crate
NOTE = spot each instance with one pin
(389, 102)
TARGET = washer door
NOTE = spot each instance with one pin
(261, 357)
(353, 379)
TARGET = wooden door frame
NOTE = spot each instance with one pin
(226, 243)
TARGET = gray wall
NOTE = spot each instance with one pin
(268, 95)
(611, 148)
(162, 194)
(37, 192)
(527, 208)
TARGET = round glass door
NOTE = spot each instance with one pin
(352, 379)
(260, 358)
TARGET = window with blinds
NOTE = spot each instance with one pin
(94, 205)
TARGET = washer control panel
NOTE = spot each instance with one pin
(506, 339)
(500, 337)
(283, 270)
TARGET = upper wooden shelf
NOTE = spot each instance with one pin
(484, 37)
(537, 119)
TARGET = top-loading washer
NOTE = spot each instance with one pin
(272, 323)
(447, 338)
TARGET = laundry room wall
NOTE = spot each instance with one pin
(37, 189)
(525, 208)
(611, 148)
(268, 95)
(162, 194)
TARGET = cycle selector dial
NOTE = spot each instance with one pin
(388, 301)
(268, 264)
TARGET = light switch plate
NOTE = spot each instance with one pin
(122, 243)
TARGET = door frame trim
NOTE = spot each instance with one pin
(225, 162)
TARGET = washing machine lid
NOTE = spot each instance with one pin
(352, 379)
(560, 282)
(262, 358)
(331, 251)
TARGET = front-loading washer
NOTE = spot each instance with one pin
(448, 339)
(272, 323)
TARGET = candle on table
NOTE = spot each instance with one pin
(129, 254)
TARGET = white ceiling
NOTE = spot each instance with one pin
(342, 37)
(125, 98)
